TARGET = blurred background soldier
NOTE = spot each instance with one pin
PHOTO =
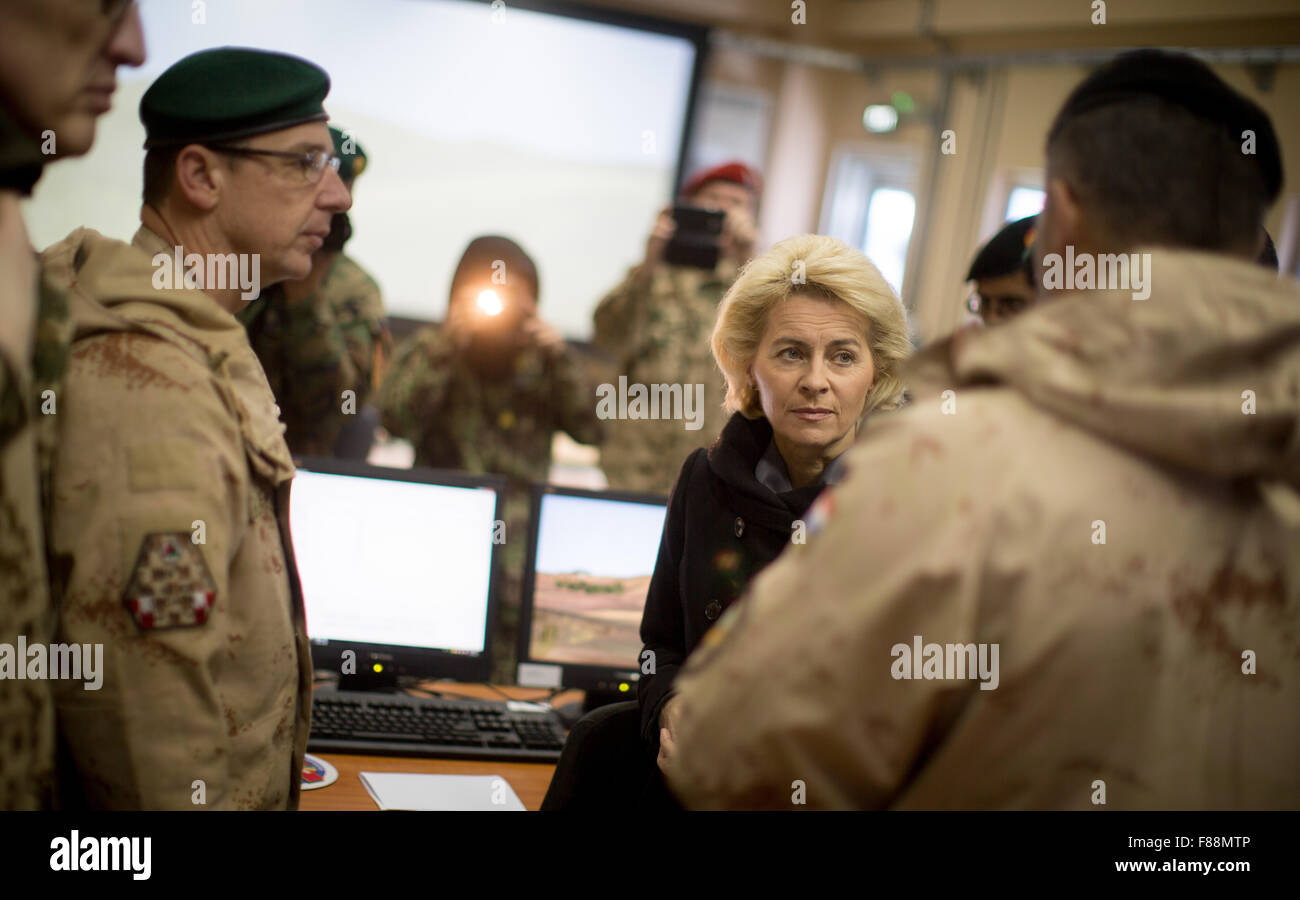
(654, 328)
(57, 76)
(324, 335)
(168, 516)
(485, 392)
(1003, 273)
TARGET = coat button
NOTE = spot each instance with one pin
(740, 526)
(713, 610)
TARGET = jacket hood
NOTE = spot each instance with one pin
(732, 459)
(110, 288)
(1204, 374)
(109, 273)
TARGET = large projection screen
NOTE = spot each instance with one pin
(559, 132)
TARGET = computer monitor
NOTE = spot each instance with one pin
(398, 569)
(590, 558)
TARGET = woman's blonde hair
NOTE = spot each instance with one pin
(819, 266)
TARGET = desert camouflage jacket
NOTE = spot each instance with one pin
(169, 543)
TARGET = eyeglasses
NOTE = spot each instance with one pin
(996, 307)
(312, 163)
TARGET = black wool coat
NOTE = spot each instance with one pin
(722, 526)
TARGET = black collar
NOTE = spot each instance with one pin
(732, 459)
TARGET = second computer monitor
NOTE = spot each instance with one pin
(591, 555)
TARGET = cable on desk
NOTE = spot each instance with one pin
(493, 687)
(426, 692)
(412, 686)
(550, 696)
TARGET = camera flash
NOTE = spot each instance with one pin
(489, 303)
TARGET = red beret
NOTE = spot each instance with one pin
(735, 172)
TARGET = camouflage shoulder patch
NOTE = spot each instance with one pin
(170, 585)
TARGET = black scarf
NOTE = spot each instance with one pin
(733, 458)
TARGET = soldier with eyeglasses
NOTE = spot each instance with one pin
(170, 479)
(323, 340)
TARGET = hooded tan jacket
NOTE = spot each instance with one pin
(170, 546)
(1108, 496)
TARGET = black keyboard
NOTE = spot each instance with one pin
(401, 725)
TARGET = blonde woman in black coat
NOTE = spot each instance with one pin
(809, 340)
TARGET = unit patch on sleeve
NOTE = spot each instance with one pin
(171, 584)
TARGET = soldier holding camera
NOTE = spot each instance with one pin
(485, 392)
(655, 325)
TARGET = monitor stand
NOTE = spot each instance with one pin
(384, 682)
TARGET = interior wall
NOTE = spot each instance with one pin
(1000, 117)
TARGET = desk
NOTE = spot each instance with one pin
(529, 780)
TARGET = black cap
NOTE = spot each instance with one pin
(1184, 81)
(1004, 254)
(477, 263)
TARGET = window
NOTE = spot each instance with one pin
(1013, 193)
(890, 214)
(1024, 201)
(730, 123)
(870, 203)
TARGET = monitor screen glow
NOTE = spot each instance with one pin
(595, 557)
(399, 563)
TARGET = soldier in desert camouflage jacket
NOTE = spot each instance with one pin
(323, 335)
(168, 503)
(53, 51)
(654, 328)
(485, 392)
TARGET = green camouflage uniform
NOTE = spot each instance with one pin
(657, 332)
(317, 348)
(33, 346)
(359, 310)
(457, 419)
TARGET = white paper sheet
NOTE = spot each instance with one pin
(441, 793)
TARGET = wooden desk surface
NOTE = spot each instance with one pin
(529, 780)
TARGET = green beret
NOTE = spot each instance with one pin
(229, 93)
(353, 160)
